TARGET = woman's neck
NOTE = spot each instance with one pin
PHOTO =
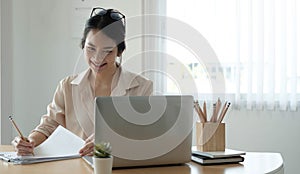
(103, 84)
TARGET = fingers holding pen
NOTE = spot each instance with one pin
(19, 142)
(23, 147)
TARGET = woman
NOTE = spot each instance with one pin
(103, 43)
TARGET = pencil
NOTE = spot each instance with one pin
(16, 127)
(218, 106)
(212, 119)
(222, 111)
(18, 130)
(204, 111)
(199, 111)
(223, 115)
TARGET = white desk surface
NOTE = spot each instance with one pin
(255, 163)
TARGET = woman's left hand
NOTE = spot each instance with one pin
(88, 148)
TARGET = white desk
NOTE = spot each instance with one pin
(255, 163)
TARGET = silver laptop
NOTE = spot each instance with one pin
(145, 130)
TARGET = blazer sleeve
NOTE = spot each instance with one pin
(55, 115)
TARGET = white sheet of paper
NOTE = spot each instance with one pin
(61, 144)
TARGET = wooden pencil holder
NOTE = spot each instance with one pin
(210, 136)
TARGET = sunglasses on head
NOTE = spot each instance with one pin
(114, 14)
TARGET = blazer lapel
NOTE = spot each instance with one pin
(83, 102)
(126, 81)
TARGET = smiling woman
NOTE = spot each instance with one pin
(40, 46)
(103, 43)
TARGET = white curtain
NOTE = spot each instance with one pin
(257, 41)
(267, 40)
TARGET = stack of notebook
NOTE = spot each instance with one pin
(217, 157)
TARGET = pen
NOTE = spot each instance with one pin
(18, 130)
(4, 157)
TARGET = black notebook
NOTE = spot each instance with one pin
(218, 154)
(217, 157)
(223, 160)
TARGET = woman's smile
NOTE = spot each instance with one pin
(98, 66)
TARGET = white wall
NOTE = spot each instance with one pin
(267, 131)
(6, 70)
(0, 72)
(44, 52)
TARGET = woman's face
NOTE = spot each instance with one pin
(100, 52)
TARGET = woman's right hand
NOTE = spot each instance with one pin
(23, 147)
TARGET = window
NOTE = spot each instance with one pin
(257, 46)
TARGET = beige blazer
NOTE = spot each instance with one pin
(73, 102)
